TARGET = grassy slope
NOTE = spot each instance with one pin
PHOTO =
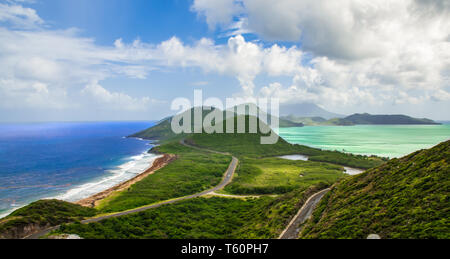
(317, 121)
(195, 170)
(192, 172)
(248, 145)
(161, 131)
(405, 198)
(201, 218)
(44, 213)
(277, 176)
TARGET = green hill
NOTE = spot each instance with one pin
(360, 119)
(318, 121)
(368, 119)
(283, 122)
(249, 144)
(40, 215)
(163, 131)
(404, 198)
(307, 121)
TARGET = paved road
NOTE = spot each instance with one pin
(293, 229)
(225, 181)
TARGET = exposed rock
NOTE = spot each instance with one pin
(373, 236)
(65, 236)
(22, 231)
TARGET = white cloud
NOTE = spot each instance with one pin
(351, 53)
(114, 100)
(360, 51)
(348, 29)
(217, 12)
(45, 69)
(19, 16)
(31, 94)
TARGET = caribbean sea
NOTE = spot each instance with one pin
(68, 161)
(382, 140)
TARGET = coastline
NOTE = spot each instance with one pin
(157, 164)
(68, 161)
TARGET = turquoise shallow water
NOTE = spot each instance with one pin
(384, 140)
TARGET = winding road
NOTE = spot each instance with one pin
(225, 181)
(290, 232)
(293, 229)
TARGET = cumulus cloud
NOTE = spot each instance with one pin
(217, 12)
(346, 29)
(238, 58)
(45, 69)
(19, 16)
(360, 51)
(115, 100)
(349, 53)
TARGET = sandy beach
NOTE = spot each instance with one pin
(96, 198)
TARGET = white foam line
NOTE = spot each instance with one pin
(122, 173)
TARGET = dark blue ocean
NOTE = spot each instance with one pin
(69, 161)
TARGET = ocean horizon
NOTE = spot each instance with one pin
(67, 160)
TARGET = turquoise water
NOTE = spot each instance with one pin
(382, 140)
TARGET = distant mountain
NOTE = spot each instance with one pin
(406, 198)
(368, 119)
(283, 122)
(360, 119)
(309, 121)
(307, 110)
(318, 121)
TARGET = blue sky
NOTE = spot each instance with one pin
(127, 60)
(108, 20)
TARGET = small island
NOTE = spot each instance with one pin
(361, 119)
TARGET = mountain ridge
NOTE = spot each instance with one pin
(307, 110)
(362, 119)
(397, 119)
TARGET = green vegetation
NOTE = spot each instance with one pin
(163, 130)
(289, 124)
(201, 218)
(194, 171)
(319, 121)
(277, 176)
(248, 145)
(308, 121)
(360, 119)
(160, 132)
(405, 198)
(386, 119)
(42, 213)
(271, 218)
(196, 218)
